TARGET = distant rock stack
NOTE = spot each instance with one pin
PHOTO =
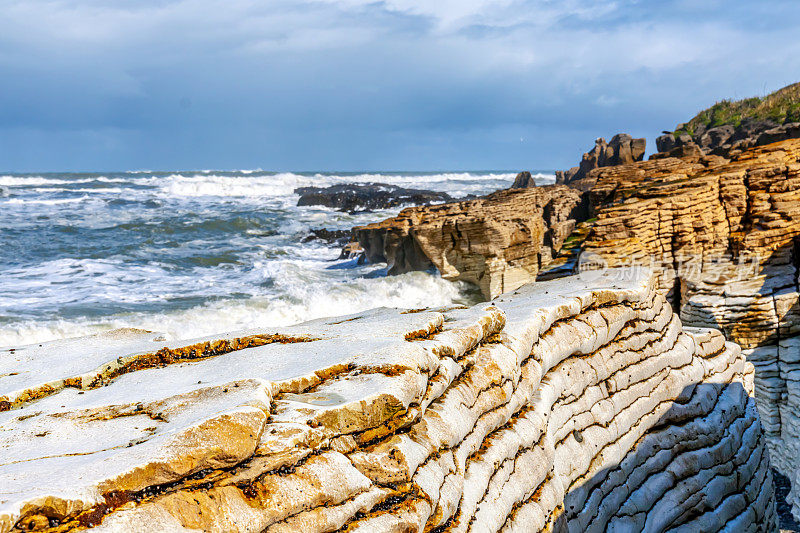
(623, 149)
(524, 180)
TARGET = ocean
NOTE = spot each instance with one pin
(195, 253)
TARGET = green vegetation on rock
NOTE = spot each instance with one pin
(780, 106)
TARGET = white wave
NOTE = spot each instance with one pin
(99, 190)
(28, 181)
(33, 181)
(247, 185)
(230, 186)
(46, 202)
(304, 302)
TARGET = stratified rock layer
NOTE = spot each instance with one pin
(577, 404)
(621, 150)
(722, 237)
(497, 242)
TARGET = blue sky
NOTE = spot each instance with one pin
(356, 84)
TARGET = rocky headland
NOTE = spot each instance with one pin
(651, 386)
(580, 404)
(727, 127)
(718, 222)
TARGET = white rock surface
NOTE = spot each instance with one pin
(579, 405)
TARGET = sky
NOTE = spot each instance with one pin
(369, 85)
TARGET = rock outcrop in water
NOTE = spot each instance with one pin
(579, 405)
(497, 242)
(354, 197)
(524, 180)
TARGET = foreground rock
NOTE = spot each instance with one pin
(497, 242)
(559, 407)
(722, 234)
(723, 238)
(621, 150)
(354, 197)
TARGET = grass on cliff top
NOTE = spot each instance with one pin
(781, 106)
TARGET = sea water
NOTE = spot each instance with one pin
(195, 253)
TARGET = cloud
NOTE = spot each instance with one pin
(302, 84)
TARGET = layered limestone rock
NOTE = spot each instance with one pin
(580, 404)
(621, 150)
(722, 236)
(498, 242)
(727, 140)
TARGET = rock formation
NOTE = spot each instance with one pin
(722, 234)
(724, 242)
(336, 237)
(524, 180)
(727, 140)
(354, 197)
(728, 127)
(577, 404)
(622, 149)
(498, 242)
(723, 237)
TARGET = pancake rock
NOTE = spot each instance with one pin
(728, 127)
(621, 150)
(498, 242)
(580, 404)
(723, 238)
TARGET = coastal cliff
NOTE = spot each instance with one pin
(580, 404)
(723, 240)
(721, 233)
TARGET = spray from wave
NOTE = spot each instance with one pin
(194, 253)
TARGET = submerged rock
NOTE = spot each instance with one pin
(337, 237)
(353, 250)
(562, 406)
(354, 197)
